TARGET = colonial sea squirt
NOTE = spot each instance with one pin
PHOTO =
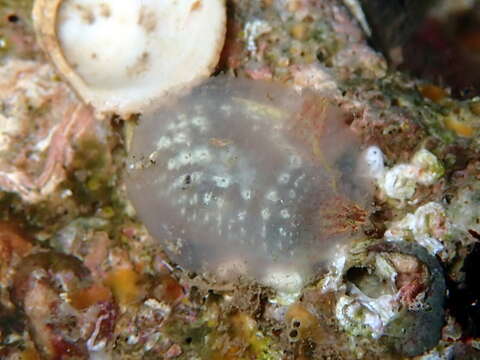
(248, 178)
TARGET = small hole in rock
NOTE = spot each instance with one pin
(13, 18)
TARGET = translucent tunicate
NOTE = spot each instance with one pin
(245, 177)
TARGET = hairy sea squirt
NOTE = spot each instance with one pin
(248, 178)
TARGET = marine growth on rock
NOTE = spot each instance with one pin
(248, 178)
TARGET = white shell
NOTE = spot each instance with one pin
(126, 56)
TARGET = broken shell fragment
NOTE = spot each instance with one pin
(395, 292)
(124, 57)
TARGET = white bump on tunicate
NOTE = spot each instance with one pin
(284, 178)
(207, 197)
(246, 194)
(299, 179)
(221, 181)
(196, 176)
(180, 183)
(201, 154)
(227, 109)
(200, 122)
(292, 194)
(282, 231)
(272, 196)
(180, 138)
(164, 143)
(266, 214)
(184, 159)
(284, 213)
(171, 165)
(182, 125)
(242, 215)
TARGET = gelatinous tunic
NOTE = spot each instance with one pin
(244, 177)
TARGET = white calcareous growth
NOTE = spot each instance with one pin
(247, 178)
(400, 182)
(362, 315)
(428, 225)
(126, 56)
